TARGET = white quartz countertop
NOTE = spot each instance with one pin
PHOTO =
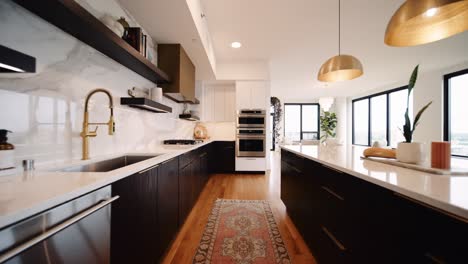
(27, 193)
(446, 192)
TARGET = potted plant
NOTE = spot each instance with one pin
(278, 112)
(409, 151)
(328, 125)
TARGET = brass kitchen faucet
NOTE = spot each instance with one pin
(85, 134)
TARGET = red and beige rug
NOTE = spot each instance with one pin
(241, 232)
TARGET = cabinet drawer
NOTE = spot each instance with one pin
(250, 164)
(186, 159)
(295, 161)
(439, 236)
(325, 247)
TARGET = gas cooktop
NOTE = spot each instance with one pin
(182, 141)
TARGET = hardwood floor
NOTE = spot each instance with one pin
(238, 186)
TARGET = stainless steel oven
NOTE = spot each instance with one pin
(251, 118)
(251, 142)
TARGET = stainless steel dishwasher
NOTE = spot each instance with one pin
(77, 231)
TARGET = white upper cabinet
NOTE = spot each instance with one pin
(251, 95)
(219, 103)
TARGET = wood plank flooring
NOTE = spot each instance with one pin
(238, 186)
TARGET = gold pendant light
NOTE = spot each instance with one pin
(340, 67)
(419, 22)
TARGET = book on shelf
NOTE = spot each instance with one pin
(137, 40)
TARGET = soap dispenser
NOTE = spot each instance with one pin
(7, 151)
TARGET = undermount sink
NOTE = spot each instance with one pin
(108, 165)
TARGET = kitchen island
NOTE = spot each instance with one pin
(349, 209)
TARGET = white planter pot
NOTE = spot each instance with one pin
(410, 152)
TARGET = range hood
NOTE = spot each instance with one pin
(15, 61)
(173, 60)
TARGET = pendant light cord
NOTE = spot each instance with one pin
(339, 27)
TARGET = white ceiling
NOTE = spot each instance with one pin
(170, 21)
(297, 36)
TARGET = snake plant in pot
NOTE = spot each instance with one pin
(409, 151)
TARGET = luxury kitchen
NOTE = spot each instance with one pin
(233, 131)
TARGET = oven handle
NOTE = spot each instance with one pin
(252, 115)
(250, 137)
(54, 230)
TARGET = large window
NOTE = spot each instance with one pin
(379, 117)
(456, 112)
(301, 121)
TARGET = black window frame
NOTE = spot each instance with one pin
(301, 132)
(369, 98)
(446, 100)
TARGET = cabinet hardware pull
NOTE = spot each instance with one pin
(332, 193)
(296, 169)
(150, 168)
(203, 155)
(434, 259)
(54, 230)
(464, 220)
(333, 238)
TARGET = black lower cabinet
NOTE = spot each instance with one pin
(186, 190)
(193, 176)
(223, 157)
(154, 204)
(344, 219)
(204, 170)
(134, 223)
(168, 203)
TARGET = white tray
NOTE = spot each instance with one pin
(420, 167)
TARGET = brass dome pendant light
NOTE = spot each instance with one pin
(340, 67)
(419, 22)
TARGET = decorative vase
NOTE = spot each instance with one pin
(200, 132)
(410, 152)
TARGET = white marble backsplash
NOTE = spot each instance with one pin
(45, 109)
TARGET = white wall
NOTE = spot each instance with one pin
(45, 109)
(340, 108)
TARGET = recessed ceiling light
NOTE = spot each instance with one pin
(236, 45)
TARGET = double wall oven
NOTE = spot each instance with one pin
(251, 136)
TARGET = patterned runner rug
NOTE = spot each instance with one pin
(241, 232)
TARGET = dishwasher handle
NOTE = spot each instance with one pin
(54, 230)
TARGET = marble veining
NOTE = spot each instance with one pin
(45, 109)
(445, 192)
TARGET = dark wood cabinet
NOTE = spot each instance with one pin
(168, 203)
(204, 171)
(154, 204)
(193, 175)
(134, 222)
(186, 190)
(345, 219)
(224, 157)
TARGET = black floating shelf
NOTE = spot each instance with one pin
(145, 104)
(78, 22)
(15, 61)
